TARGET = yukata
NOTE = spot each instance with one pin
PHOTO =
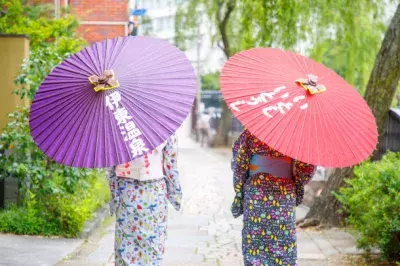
(268, 187)
(140, 190)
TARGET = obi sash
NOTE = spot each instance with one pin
(280, 167)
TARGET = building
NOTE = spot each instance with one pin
(204, 55)
(98, 19)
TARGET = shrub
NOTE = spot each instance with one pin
(62, 212)
(22, 220)
(71, 210)
(372, 200)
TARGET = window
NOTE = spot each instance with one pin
(147, 4)
(163, 23)
(156, 24)
(171, 22)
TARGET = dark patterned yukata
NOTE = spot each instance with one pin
(268, 188)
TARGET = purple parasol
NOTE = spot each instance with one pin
(112, 102)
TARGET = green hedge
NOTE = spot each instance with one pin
(372, 200)
(60, 213)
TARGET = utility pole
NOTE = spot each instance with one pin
(57, 9)
(196, 109)
(198, 46)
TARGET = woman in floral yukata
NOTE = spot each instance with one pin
(140, 190)
(268, 188)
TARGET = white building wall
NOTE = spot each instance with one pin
(162, 15)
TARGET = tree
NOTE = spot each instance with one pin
(340, 34)
(37, 22)
(51, 41)
(310, 27)
(210, 81)
(385, 75)
(219, 13)
(380, 92)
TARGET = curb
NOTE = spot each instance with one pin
(95, 222)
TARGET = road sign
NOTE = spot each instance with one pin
(139, 12)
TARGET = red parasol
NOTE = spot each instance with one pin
(299, 107)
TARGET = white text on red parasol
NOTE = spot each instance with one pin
(267, 97)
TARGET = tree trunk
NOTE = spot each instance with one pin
(323, 212)
(381, 89)
(385, 76)
(225, 124)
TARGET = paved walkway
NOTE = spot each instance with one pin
(204, 231)
(34, 250)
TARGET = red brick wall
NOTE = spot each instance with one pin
(99, 12)
(40, 1)
(96, 33)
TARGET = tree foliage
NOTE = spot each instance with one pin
(33, 70)
(36, 21)
(210, 81)
(341, 34)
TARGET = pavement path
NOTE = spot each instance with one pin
(34, 250)
(204, 232)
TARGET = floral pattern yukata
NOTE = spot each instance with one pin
(141, 210)
(268, 204)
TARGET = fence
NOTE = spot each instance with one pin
(391, 139)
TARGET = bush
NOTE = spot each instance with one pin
(372, 200)
(73, 209)
(61, 213)
(53, 199)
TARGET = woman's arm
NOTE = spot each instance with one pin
(113, 182)
(240, 167)
(302, 174)
(170, 166)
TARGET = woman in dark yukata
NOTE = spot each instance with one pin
(268, 188)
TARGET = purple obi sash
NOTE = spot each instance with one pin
(277, 166)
